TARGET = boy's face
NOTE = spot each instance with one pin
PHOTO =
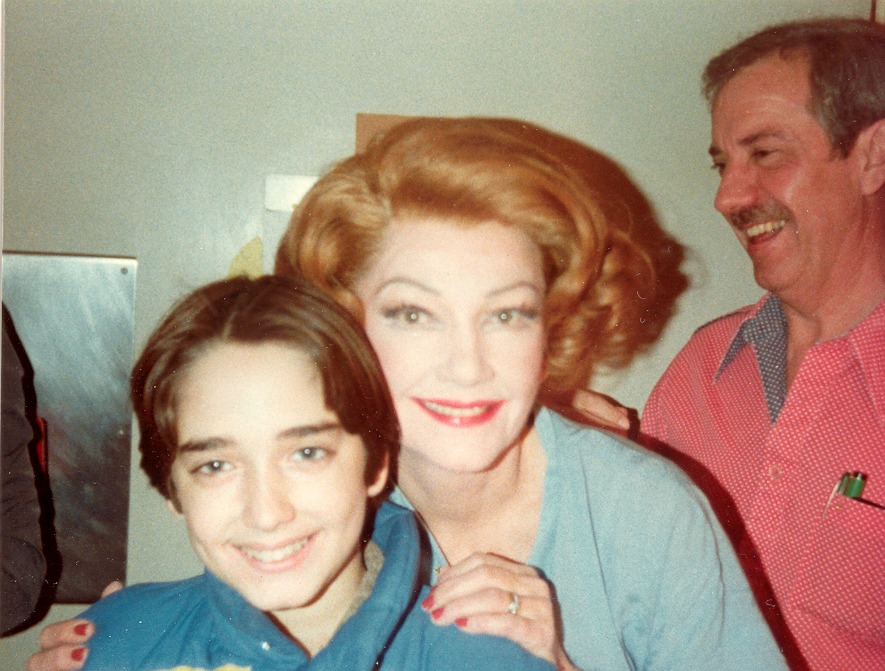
(271, 487)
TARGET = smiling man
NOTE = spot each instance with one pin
(769, 406)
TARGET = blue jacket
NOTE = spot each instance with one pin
(201, 623)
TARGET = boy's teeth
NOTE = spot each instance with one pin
(765, 227)
(277, 554)
(455, 412)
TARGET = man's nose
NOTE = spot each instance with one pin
(737, 189)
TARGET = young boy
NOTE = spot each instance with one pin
(266, 424)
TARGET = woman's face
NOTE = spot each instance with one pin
(455, 315)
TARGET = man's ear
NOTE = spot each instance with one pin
(872, 142)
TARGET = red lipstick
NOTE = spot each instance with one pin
(459, 413)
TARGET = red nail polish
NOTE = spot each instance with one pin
(81, 628)
(77, 654)
(427, 604)
(437, 613)
(461, 622)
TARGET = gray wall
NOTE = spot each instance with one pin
(146, 128)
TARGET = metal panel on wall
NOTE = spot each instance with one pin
(75, 318)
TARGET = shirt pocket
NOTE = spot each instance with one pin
(842, 576)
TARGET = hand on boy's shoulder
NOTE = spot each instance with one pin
(138, 602)
(224, 667)
(451, 648)
(131, 623)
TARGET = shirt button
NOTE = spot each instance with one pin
(775, 472)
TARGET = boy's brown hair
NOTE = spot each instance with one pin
(270, 309)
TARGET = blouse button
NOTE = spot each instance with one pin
(775, 472)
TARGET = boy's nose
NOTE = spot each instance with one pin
(268, 503)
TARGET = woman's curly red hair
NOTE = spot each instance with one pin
(470, 171)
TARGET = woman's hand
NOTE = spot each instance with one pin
(602, 409)
(62, 645)
(487, 594)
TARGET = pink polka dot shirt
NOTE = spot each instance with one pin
(769, 462)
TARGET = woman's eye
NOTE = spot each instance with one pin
(407, 315)
(514, 316)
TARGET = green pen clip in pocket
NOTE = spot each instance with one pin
(851, 486)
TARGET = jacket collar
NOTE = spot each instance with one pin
(362, 639)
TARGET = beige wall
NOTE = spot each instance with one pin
(146, 128)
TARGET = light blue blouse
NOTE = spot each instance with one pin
(644, 575)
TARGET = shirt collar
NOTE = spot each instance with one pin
(765, 324)
(765, 329)
(867, 341)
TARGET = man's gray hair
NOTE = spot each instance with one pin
(846, 61)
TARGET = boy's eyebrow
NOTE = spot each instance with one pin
(203, 445)
(309, 430)
(217, 443)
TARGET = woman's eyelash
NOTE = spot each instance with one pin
(508, 315)
(408, 313)
(413, 314)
